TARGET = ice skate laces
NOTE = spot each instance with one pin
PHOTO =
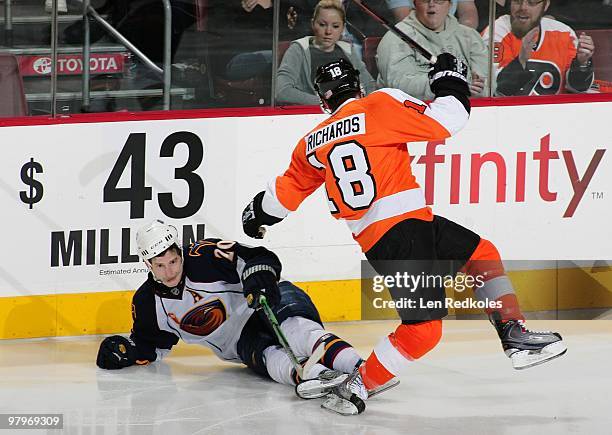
(525, 330)
(355, 385)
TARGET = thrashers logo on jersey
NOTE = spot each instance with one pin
(349, 126)
(202, 320)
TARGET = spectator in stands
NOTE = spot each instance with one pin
(360, 24)
(241, 35)
(466, 10)
(305, 55)
(258, 14)
(536, 55)
(401, 66)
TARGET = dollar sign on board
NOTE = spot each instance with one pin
(36, 190)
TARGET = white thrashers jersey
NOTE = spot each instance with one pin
(361, 156)
(208, 309)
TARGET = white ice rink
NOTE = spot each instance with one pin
(464, 386)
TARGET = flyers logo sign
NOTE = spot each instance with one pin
(204, 319)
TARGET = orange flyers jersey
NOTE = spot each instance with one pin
(361, 156)
(551, 60)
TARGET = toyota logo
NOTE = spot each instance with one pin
(42, 65)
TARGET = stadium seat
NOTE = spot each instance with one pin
(602, 58)
(201, 7)
(254, 91)
(282, 47)
(370, 44)
(12, 96)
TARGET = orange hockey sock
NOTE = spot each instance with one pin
(392, 353)
(373, 373)
(509, 308)
(486, 263)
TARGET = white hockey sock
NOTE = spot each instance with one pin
(346, 360)
(314, 371)
(304, 334)
(280, 368)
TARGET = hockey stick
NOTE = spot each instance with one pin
(317, 353)
(391, 27)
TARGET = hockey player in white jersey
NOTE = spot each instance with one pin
(197, 294)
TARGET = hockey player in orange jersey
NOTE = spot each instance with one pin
(360, 154)
(537, 55)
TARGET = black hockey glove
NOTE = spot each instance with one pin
(258, 280)
(448, 77)
(253, 217)
(116, 352)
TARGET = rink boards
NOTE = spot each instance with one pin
(535, 179)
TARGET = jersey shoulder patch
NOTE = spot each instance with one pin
(402, 98)
(550, 25)
(211, 260)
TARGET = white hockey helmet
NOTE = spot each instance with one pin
(155, 238)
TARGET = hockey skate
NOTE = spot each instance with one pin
(321, 386)
(328, 380)
(527, 348)
(349, 397)
(393, 382)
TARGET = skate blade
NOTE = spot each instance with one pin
(343, 406)
(394, 382)
(525, 359)
(315, 388)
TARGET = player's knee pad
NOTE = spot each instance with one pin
(295, 303)
(415, 340)
(485, 261)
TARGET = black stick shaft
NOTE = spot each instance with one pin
(391, 27)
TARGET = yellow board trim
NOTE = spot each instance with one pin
(109, 312)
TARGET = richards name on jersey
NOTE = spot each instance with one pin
(349, 126)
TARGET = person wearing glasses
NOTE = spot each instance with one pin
(430, 24)
(537, 55)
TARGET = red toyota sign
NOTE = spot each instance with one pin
(70, 64)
